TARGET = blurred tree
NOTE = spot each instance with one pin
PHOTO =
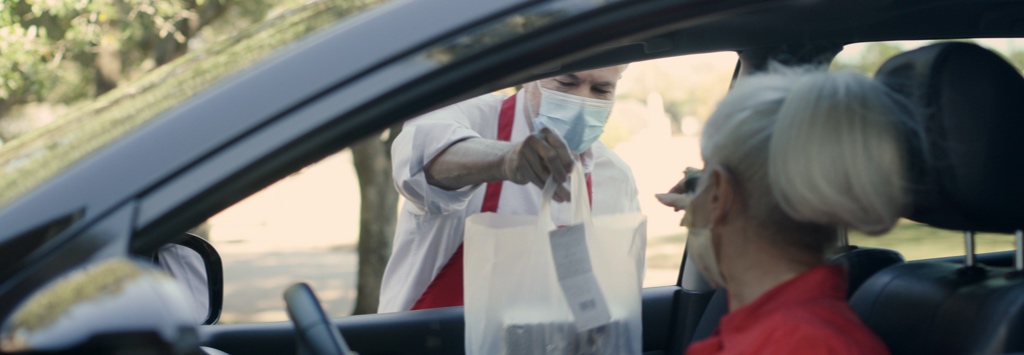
(68, 50)
(377, 215)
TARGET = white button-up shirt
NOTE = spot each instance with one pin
(432, 220)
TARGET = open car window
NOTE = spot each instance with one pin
(908, 237)
(306, 227)
(655, 127)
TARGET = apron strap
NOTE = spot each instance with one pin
(446, 288)
(505, 120)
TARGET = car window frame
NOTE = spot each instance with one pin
(337, 103)
(326, 128)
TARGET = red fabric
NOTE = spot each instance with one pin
(446, 288)
(505, 121)
(590, 192)
(805, 315)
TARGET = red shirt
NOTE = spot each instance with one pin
(805, 315)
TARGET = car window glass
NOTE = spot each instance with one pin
(34, 157)
(306, 226)
(915, 240)
(661, 106)
(868, 57)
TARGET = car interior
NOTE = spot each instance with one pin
(965, 181)
(967, 178)
(973, 96)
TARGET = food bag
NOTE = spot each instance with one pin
(532, 288)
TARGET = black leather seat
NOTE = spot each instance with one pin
(974, 181)
(861, 263)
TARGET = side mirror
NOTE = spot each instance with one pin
(117, 305)
(197, 267)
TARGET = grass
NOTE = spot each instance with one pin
(914, 240)
(918, 241)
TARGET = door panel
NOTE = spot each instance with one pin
(670, 315)
(434, 331)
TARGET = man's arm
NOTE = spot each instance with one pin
(477, 160)
(469, 162)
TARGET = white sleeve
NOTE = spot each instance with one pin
(420, 141)
(188, 268)
(632, 195)
(615, 175)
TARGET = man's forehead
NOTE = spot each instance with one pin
(609, 75)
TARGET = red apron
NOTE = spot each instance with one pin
(446, 288)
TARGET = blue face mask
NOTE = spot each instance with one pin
(578, 120)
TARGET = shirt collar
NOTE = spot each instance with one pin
(820, 282)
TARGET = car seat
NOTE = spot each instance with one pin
(973, 181)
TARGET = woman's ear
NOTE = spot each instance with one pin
(722, 201)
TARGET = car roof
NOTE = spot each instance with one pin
(832, 22)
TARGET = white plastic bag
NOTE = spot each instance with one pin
(514, 302)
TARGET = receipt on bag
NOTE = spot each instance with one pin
(576, 276)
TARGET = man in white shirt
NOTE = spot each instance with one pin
(451, 163)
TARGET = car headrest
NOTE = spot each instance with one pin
(973, 103)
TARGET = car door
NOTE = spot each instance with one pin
(669, 313)
(315, 98)
(441, 331)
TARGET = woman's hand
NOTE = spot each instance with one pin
(677, 201)
(679, 196)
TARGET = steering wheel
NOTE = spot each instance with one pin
(316, 334)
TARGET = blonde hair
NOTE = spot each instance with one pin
(813, 147)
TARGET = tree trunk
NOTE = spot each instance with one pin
(169, 48)
(107, 66)
(378, 206)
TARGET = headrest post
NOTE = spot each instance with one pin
(969, 243)
(842, 238)
(1018, 260)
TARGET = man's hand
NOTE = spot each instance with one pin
(541, 155)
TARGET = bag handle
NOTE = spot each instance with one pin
(545, 198)
(580, 197)
(578, 191)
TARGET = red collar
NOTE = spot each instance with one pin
(821, 282)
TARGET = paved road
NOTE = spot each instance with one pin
(254, 283)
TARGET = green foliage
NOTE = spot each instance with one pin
(33, 158)
(919, 241)
(42, 39)
(874, 54)
(46, 42)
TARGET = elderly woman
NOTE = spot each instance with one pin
(791, 156)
